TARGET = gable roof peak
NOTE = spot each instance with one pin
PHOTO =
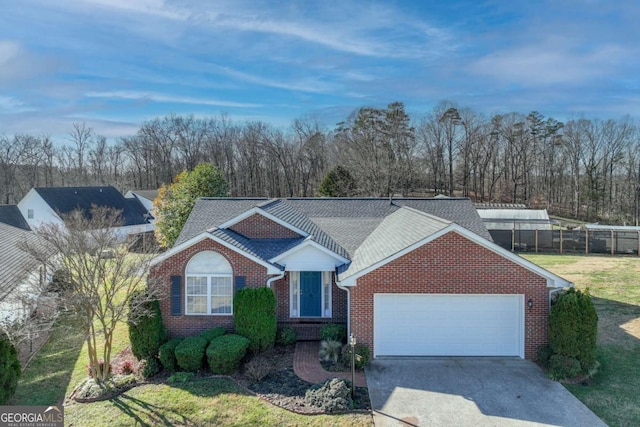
(423, 213)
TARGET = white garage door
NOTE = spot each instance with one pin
(448, 325)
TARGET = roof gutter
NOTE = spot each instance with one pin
(345, 288)
(274, 278)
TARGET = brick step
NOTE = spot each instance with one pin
(306, 331)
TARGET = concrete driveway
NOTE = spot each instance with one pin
(470, 392)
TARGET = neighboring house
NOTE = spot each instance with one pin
(146, 197)
(49, 204)
(515, 219)
(408, 276)
(11, 215)
(23, 278)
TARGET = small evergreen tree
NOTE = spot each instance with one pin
(338, 183)
(573, 328)
(254, 313)
(9, 370)
(146, 331)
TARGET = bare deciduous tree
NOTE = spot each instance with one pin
(102, 276)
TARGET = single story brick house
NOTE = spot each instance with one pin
(407, 276)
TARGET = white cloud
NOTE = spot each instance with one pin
(550, 63)
(158, 8)
(10, 105)
(150, 96)
(311, 84)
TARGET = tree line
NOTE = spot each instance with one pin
(584, 168)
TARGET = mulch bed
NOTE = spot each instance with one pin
(282, 387)
(285, 389)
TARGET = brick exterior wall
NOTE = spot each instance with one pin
(453, 264)
(260, 227)
(256, 276)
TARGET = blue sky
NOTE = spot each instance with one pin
(115, 63)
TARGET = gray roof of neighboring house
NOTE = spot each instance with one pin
(399, 230)
(15, 264)
(342, 225)
(64, 200)
(11, 215)
(520, 219)
(147, 194)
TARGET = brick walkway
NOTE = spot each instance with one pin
(306, 365)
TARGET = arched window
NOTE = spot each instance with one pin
(209, 285)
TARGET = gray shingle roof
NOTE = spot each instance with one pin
(396, 232)
(364, 227)
(14, 263)
(211, 212)
(281, 209)
(265, 249)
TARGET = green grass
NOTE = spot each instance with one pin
(61, 365)
(214, 401)
(614, 282)
(48, 376)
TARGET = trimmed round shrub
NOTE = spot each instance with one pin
(167, 354)
(254, 314)
(573, 328)
(334, 332)
(211, 334)
(363, 356)
(149, 367)
(146, 331)
(190, 353)
(9, 370)
(286, 335)
(331, 396)
(561, 367)
(225, 353)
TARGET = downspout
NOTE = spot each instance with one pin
(344, 288)
(274, 278)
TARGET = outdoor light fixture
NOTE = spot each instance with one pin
(352, 343)
(530, 303)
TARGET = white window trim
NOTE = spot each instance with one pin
(208, 313)
(326, 307)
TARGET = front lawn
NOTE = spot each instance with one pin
(210, 401)
(614, 283)
(61, 364)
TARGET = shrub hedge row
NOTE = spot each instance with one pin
(225, 353)
(190, 353)
(211, 334)
(167, 354)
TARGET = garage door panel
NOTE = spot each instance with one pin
(448, 325)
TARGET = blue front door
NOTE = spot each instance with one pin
(310, 294)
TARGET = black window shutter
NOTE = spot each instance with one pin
(240, 282)
(176, 295)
